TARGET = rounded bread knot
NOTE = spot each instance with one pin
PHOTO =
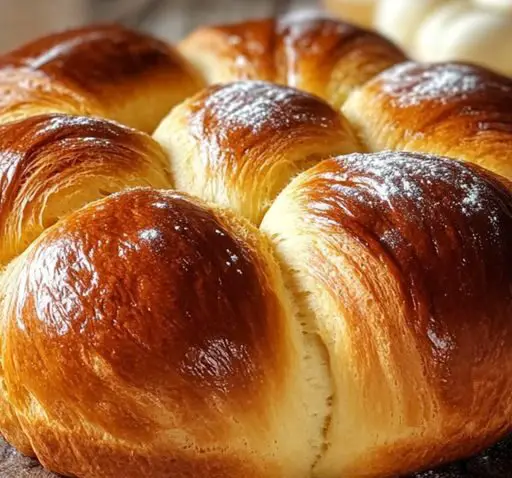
(304, 272)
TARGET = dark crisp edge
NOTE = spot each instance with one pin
(495, 462)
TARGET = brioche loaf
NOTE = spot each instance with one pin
(305, 272)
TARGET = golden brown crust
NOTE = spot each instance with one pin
(108, 71)
(239, 144)
(319, 55)
(452, 109)
(150, 334)
(51, 165)
(104, 460)
(152, 326)
(25, 92)
(241, 51)
(406, 260)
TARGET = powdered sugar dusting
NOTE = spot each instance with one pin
(427, 183)
(472, 199)
(410, 83)
(446, 226)
(257, 105)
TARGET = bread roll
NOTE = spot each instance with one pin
(51, 165)
(107, 71)
(239, 144)
(319, 55)
(163, 344)
(342, 317)
(451, 109)
(404, 263)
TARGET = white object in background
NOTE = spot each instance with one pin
(462, 32)
(24, 20)
(429, 41)
(503, 5)
(399, 20)
(476, 31)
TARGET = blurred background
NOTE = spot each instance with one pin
(479, 31)
(21, 20)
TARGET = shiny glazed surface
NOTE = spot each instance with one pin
(404, 259)
(362, 330)
(319, 55)
(239, 144)
(51, 165)
(156, 310)
(451, 109)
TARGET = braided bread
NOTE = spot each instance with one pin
(305, 271)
